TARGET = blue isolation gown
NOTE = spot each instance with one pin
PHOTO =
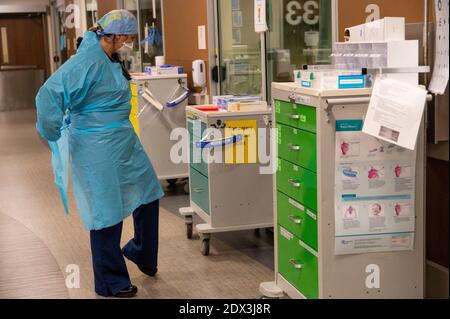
(83, 112)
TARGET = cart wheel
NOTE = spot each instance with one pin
(205, 247)
(189, 228)
(186, 188)
(172, 181)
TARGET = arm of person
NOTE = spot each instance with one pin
(66, 87)
(52, 102)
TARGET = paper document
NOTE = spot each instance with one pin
(439, 80)
(395, 112)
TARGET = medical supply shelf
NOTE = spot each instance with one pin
(226, 196)
(305, 262)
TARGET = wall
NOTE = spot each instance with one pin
(353, 12)
(104, 6)
(181, 20)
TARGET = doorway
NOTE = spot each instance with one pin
(24, 58)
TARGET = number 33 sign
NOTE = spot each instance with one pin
(294, 14)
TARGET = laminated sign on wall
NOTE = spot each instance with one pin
(439, 80)
(260, 16)
(374, 193)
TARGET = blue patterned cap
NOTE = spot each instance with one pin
(119, 22)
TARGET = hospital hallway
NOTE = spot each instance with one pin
(39, 243)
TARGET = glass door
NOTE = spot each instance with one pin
(149, 43)
(239, 48)
(91, 13)
(300, 32)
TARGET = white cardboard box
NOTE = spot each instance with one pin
(386, 29)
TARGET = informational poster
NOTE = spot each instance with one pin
(374, 193)
(260, 16)
(395, 112)
(439, 80)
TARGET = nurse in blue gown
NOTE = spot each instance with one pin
(83, 112)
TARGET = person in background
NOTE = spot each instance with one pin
(83, 112)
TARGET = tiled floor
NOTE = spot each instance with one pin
(36, 234)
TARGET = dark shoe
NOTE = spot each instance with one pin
(148, 271)
(128, 292)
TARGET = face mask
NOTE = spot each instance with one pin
(126, 48)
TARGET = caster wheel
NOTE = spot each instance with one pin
(186, 188)
(189, 228)
(172, 181)
(205, 247)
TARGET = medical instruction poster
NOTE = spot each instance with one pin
(439, 81)
(395, 112)
(374, 193)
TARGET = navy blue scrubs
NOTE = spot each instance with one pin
(110, 271)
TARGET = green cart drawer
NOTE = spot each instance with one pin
(196, 159)
(297, 146)
(194, 128)
(298, 183)
(199, 189)
(297, 264)
(297, 219)
(296, 115)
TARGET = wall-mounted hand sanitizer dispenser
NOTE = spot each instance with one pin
(199, 73)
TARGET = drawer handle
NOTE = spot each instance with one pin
(295, 184)
(198, 190)
(294, 116)
(295, 220)
(296, 265)
(294, 147)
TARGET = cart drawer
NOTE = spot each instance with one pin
(196, 159)
(297, 146)
(199, 189)
(298, 183)
(194, 128)
(297, 264)
(297, 219)
(296, 115)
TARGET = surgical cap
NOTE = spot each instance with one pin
(119, 22)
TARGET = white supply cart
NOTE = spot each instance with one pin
(159, 106)
(227, 196)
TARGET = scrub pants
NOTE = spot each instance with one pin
(110, 271)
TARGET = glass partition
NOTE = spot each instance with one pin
(91, 13)
(149, 43)
(300, 32)
(240, 48)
